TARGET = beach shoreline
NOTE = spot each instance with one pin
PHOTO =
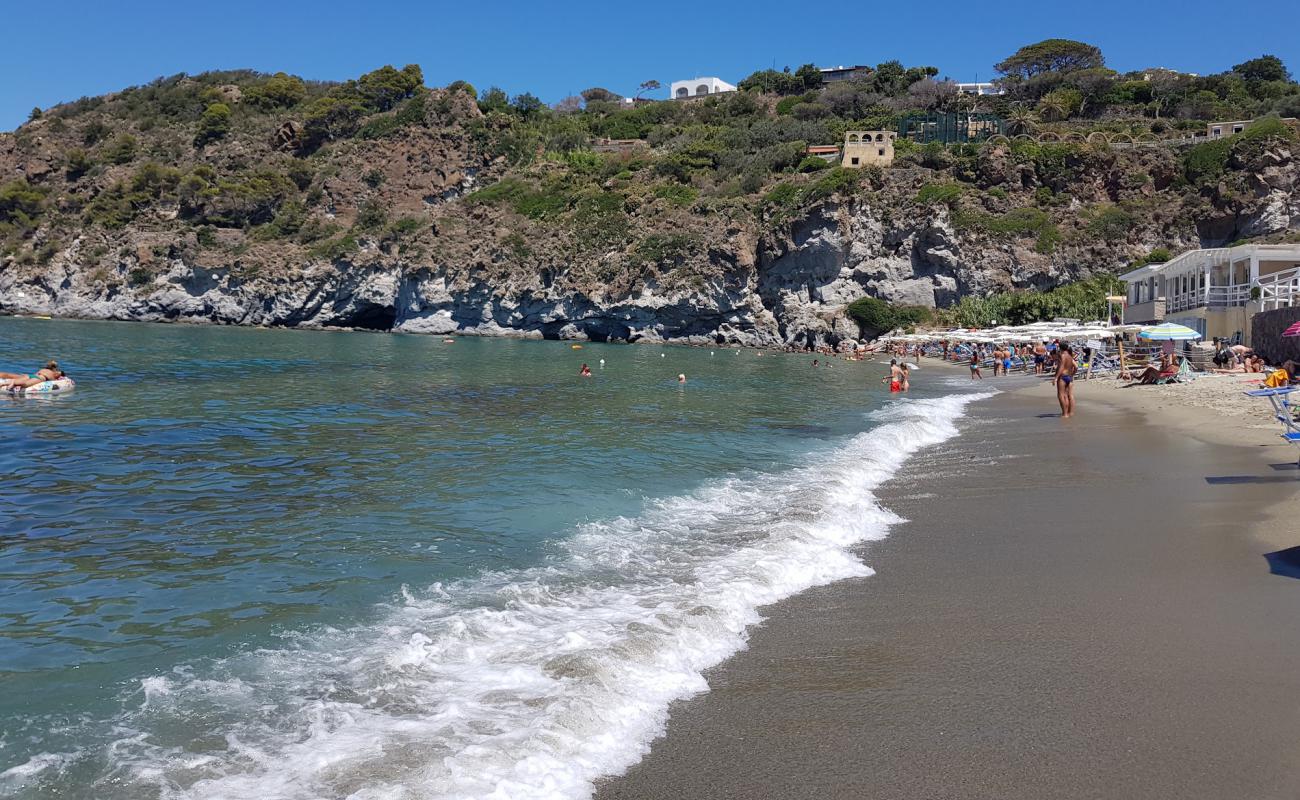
(1073, 608)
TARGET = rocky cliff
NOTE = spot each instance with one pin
(430, 228)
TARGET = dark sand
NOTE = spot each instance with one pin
(1072, 611)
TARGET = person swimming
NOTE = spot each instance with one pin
(681, 377)
(585, 372)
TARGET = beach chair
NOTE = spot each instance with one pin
(1183, 375)
(1283, 411)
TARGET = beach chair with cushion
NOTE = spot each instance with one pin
(1284, 411)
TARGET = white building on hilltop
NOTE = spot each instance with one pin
(979, 89)
(699, 87)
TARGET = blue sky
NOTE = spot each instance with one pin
(57, 51)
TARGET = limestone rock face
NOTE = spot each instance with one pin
(480, 271)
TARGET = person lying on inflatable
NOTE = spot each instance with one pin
(50, 372)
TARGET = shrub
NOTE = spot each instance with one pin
(664, 248)
(371, 216)
(783, 194)
(373, 178)
(812, 164)
(835, 180)
(121, 150)
(213, 125)
(403, 227)
(115, 206)
(278, 91)
(1206, 162)
(875, 316)
(786, 104)
(676, 194)
(21, 206)
(154, 179)
(301, 173)
(379, 127)
(1158, 256)
(95, 132)
(249, 199)
(76, 163)
(939, 194)
(336, 249)
(1111, 223)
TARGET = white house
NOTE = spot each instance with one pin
(1216, 291)
(699, 87)
(979, 88)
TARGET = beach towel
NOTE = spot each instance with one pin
(1276, 379)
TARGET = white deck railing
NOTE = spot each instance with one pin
(1280, 290)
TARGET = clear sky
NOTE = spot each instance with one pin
(60, 50)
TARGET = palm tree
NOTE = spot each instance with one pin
(1053, 107)
(1021, 119)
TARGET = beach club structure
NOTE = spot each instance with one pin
(1215, 292)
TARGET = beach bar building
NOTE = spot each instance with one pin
(1216, 291)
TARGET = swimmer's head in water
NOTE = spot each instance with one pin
(681, 377)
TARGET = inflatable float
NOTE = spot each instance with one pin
(64, 384)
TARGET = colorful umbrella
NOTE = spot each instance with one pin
(1294, 330)
(1169, 331)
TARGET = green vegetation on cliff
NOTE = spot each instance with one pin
(268, 170)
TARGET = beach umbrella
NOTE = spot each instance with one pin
(1294, 330)
(1169, 332)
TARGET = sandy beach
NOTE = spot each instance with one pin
(1075, 609)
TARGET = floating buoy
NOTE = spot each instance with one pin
(602, 362)
(576, 346)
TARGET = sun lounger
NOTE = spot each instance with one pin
(1283, 411)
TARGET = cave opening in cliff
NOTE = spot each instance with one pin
(373, 317)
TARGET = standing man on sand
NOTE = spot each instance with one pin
(1040, 357)
(1066, 367)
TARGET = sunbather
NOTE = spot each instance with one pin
(1154, 374)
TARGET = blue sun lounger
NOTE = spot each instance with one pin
(1282, 409)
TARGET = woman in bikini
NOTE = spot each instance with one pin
(50, 372)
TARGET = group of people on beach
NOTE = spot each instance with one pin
(1055, 358)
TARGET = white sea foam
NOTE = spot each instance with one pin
(521, 684)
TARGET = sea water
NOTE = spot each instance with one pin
(286, 564)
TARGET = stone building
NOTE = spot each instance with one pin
(868, 147)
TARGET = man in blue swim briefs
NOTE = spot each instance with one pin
(1065, 370)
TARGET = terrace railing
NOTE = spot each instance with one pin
(1280, 290)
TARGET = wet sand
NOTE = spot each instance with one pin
(1073, 610)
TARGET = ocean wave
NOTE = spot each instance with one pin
(526, 683)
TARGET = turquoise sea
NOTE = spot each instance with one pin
(294, 564)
